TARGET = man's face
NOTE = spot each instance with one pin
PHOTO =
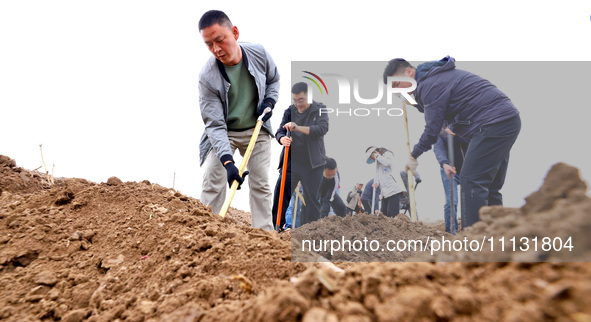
(359, 186)
(407, 72)
(222, 42)
(300, 101)
(329, 174)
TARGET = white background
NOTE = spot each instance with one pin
(110, 88)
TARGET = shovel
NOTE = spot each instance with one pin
(373, 195)
(450, 157)
(282, 188)
(411, 177)
(295, 206)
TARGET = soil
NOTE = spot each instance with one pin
(77, 250)
(363, 229)
(556, 217)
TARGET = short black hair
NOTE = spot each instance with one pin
(212, 17)
(394, 66)
(330, 164)
(299, 87)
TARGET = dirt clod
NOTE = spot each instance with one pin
(113, 181)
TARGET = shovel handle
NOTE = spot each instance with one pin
(282, 188)
(411, 178)
(251, 144)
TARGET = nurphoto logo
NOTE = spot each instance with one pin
(345, 94)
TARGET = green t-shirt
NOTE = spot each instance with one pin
(242, 98)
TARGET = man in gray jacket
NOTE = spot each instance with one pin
(235, 86)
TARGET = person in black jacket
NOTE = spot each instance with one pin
(329, 197)
(307, 153)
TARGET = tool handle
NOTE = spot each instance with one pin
(267, 110)
(411, 196)
(282, 187)
(226, 205)
(295, 208)
(243, 164)
(450, 158)
(450, 149)
(411, 179)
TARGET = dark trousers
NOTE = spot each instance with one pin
(366, 206)
(391, 205)
(485, 167)
(357, 209)
(310, 179)
(337, 204)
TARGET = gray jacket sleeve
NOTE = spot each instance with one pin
(320, 127)
(272, 82)
(212, 113)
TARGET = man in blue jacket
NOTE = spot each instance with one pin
(236, 84)
(474, 109)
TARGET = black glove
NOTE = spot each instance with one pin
(261, 110)
(234, 174)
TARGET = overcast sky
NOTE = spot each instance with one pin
(110, 88)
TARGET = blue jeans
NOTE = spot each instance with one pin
(289, 212)
(447, 209)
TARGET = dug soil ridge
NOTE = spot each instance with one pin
(77, 250)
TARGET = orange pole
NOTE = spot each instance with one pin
(281, 191)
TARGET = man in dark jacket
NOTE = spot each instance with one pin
(329, 197)
(306, 153)
(474, 109)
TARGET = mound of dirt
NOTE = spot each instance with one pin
(129, 250)
(136, 251)
(359, 238)
(518, 291)
(553, 225)
(18, 180)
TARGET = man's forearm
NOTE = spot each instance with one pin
(303, 129)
